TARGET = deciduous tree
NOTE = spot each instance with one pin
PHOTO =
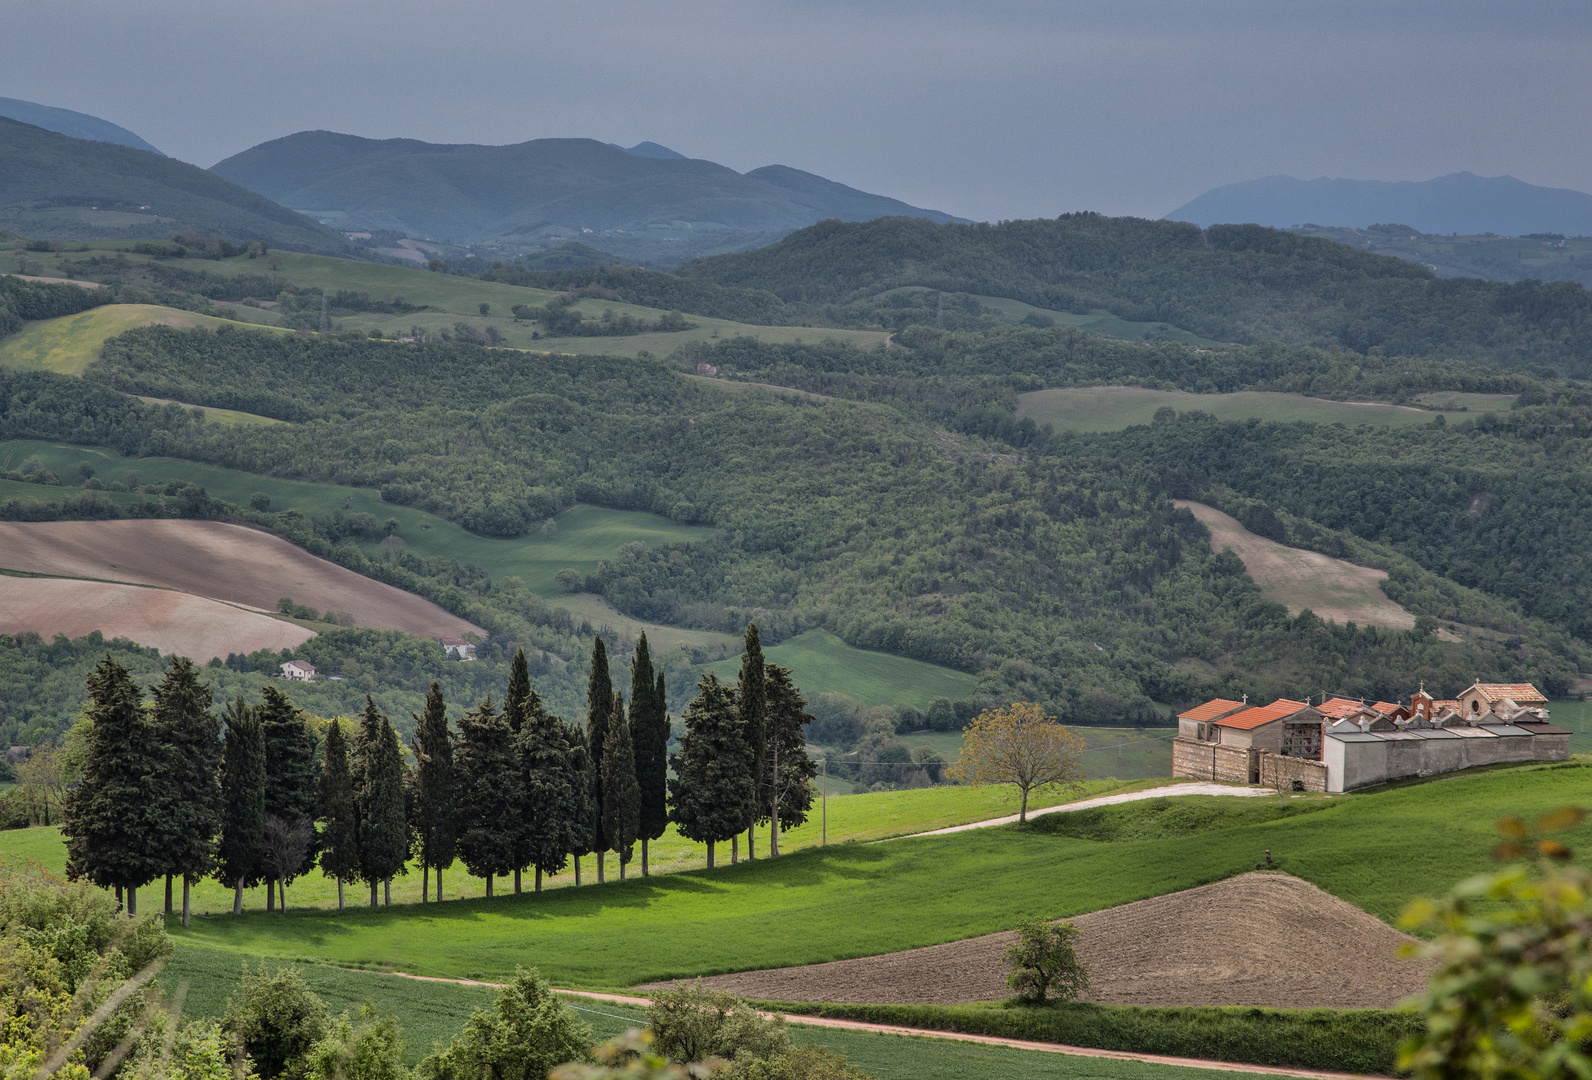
(1020, 745)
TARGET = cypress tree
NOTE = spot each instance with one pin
(292, 784)
(516, 712)
(490, 794)
(753, 700)
(434, 789)
(786, 791)
(189, 736)
(649, 733)
(712, 786)
(583, 801)
(340, 816)
(379, 795)
(621, 793)
(549, 770)
(599, 712)
(242, 801)
(114, 817)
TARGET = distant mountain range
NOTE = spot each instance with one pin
(646, 202)
(66, 122)
(1461, 203)
(54, 186)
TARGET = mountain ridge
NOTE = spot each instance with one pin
(71, 123)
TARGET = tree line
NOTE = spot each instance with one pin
(255, 795)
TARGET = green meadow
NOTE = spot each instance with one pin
(1378, 850)
(1113, 408)
(70, 343)
(1103, 323)
(820, 661)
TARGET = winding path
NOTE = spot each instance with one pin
(1197, 788)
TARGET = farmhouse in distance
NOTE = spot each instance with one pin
(1341, 744)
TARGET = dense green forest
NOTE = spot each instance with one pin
(1237, 283)
(1054, 567)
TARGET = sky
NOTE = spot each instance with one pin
(991, 110)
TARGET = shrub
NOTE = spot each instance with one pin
(372, 1049)
(1043, 962)
(694, 1023)
(526, 1033)
(277, 1019)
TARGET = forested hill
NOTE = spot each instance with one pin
(1233, 283)
(58, 187)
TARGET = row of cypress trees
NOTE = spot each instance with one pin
(163, 793)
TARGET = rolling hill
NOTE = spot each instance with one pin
(66, 122)
(1461, 203)
(638, 202)
(56, 186)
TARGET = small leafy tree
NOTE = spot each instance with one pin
(1044, 963)
(526, 1033)
(276, 1019)
(693, 1023)
(371, 1049)
(1020, 745)
(631, 1057)
(1512, 993)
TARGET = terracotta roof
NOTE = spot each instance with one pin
(1338, 707)
(1211, 709)
(1262, 715)
(1438, 707)
(1385, 707)
(1519, 693)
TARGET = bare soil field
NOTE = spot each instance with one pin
(1337, 591)
(224, 562)
(171, 621)
(1260, 939)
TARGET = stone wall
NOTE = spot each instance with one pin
(1195, 760)
(1312, 774)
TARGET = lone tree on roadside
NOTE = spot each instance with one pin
(649, 735)
(621, 793)
(114, 825)
(379, 796)
(491, 801)
(1020, 745)
(712, 787)
(189, 735)
(1043, 962)
(752, 696)
(599, 713)
(434, 810)
(242, 801)
(340, 816)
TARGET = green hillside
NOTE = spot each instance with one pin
(55, 186)
(1112, 408)
(822, 663)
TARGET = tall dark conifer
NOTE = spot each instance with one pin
(786, 789)
(242, 801)
(114, 816)
(599, 713)
(490, 796)
(712, 786)
(292, 784)
(649, 732)
(379, 794)
(621, 793)
(339, 813)
(516, 713)
(550, 773)
(583, 799)
(753, 699)
(434, 789)
(189, 736)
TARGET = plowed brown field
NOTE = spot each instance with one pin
(1256, 939)
(223, 562)
(173, 622)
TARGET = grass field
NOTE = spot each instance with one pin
(1105, 324)
(1113, 408)
(850, 818)
(431, 1013)
(820, 662)
(1377, 850)
(70, 343)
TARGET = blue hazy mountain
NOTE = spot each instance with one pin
(1462, 203)
(652, 150)
(66, 122)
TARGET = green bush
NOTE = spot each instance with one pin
(527, 1033)
(1341, 1040)
(278, 1019)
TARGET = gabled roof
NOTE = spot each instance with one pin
(298, 665)
(1211, 710)
(1387, 708)
(1250, 719)
(1440, 707)
(1339, 707)
(1519, 693)
(1540, 727)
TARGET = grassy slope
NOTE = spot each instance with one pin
(1377, 850)
(859, 817)
(820, 661)
(70, 343)
(1110, 326)
(1113, 408)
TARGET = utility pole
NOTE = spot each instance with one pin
(824, 835)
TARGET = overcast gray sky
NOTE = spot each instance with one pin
(995, 109)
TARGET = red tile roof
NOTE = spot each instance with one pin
(1211, 709)
(1387, 707)
(1519, 693)
(1338, 707)
(1250, 719)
